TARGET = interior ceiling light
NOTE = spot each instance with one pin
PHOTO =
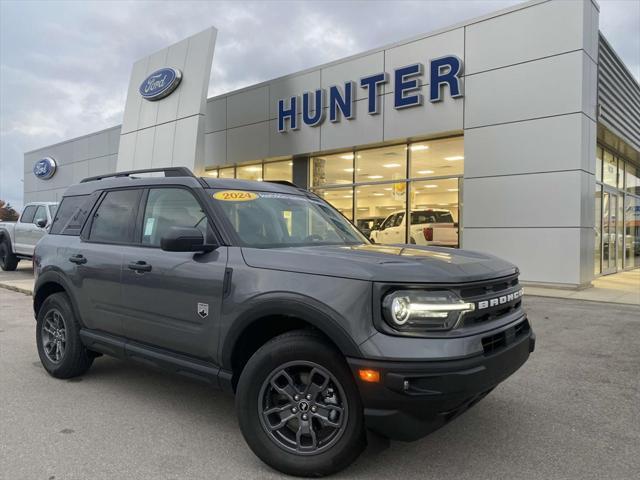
(347, 157)
(348, 170)
(417, 148)
(452, 189)
(391, 165)
(425, 172)
(431, 186)
(253, 169)
(374, 177)
(454, 158)
(377, 194)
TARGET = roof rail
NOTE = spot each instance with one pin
(168, 172)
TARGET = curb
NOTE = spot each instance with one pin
(16, 289)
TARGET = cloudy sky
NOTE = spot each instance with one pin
(64, 66)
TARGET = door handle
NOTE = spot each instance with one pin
(140, 266)
(78, 259)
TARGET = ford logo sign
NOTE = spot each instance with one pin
(160, 83)
(45, 168)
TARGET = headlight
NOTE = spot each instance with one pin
(420, 310)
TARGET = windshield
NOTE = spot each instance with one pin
(275, 220)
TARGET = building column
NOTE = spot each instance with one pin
(530, 140)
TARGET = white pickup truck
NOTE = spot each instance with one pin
(428, 227)
(18, 239)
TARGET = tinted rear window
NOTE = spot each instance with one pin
(114, 221)
(71, 215)
(430, 216)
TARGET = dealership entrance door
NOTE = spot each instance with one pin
(612, 231)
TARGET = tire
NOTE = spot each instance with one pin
(8, 261)
(58, 339)
(263, 387)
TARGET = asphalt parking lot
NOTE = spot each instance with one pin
(572, 412)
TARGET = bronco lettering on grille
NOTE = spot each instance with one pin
(494, 302)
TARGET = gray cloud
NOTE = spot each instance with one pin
(64, 66)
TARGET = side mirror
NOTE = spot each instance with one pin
(185, 239)
(41, 223)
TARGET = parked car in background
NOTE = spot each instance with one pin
(18, 239)
(367, 225)
(428, 227)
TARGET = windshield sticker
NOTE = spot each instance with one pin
(235, 196)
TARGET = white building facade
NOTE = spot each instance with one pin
(521, 127)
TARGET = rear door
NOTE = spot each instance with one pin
(97, 259)
(172, 299)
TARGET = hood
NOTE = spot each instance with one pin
(383, 263)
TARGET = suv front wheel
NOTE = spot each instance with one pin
(58, 338)
(299, 408)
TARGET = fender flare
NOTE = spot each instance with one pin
(53, 276)
(306, 309)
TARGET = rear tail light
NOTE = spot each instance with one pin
(428, 234)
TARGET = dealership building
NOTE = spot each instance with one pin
(521, 127)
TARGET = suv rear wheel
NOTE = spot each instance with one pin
(8, 261)
(58, 338)
(299, 408)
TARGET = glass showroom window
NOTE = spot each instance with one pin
(610, 169)
(388, 182)
(632, 231)
(381, 164)
(437, 158)
(332, 169)
(434, 212)
(278, 171)
(382, 209)
(597, 252)
(249, 172)
(267, 171)
(340, 198)
(599, 154)
(227, 173)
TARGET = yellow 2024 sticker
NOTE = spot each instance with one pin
(235, 196)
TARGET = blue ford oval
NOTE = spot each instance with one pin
(44, 168)
(160, 83)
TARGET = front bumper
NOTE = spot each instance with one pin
(413, 399)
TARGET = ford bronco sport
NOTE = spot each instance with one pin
(264, 290)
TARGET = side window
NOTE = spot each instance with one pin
(71, 214)
(114, 220)
(399, 218)
(41, 214)
(27, 215)
(171, 207)
(388, 222)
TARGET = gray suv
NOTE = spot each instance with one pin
(266, 291)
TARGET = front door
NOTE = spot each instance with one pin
(612, 232)
(172, 299)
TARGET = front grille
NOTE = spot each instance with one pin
(503, 288)
(500, 340)
(488, 288)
